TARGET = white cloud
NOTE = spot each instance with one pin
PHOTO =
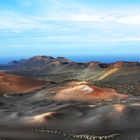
(130, 20)
(74, 23)
(19, 23)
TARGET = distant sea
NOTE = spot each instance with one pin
(105, 59)
(4, 60)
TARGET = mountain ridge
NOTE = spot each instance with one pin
(42, 59)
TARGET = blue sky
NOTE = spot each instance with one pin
(69, 27)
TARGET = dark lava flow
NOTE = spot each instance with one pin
(20, 114)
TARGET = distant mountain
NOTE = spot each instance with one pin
(15, 62)
(62, 68)
(51, 65)
(122, 76)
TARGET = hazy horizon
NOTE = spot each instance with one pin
(82, 58)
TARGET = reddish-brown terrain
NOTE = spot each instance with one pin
(102, 104)
(10, 83)
(82, 91)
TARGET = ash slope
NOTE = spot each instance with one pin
(68, 106)
(43, 110)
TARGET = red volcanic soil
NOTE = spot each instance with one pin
(106, 93)
(81, 91)
(10, 83)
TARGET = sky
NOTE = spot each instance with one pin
(69, 27)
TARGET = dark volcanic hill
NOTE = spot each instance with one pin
(122, 76)
(61, 68)
(125, 79)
